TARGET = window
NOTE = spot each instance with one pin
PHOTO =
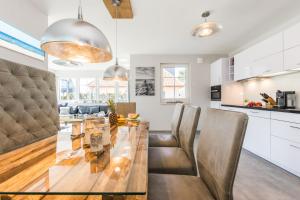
(107, 90)
(92, 90)
(122, 87)
(87, 89)
(116, 90)
(16, 40)
(174, 83)
(67, 88)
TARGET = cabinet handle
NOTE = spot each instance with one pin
(254, 111)
(268, 70)
(295, 127)
(294, 146)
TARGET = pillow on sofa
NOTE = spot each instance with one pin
(83, 110)
(64, 110)
(103, 108)
(73, 110)
(93, 109)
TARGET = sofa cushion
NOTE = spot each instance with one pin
(169, 160)
(162, 140)
(103, 108)
(73, 110)
(83, 109)
(93, 109)
(64, 110)
(176, 187)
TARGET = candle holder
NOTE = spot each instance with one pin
(96, 141)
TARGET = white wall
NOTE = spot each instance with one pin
(289, 82)
(251, 89)
(23, 15)
(150, 108)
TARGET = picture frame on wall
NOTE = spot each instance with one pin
(145, 81)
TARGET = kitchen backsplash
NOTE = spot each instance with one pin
(235, 93)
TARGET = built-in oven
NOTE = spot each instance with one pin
(215, 93)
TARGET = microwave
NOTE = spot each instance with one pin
(215, 93)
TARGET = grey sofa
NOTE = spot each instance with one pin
(83, 109)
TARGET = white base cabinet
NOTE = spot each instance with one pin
(215, 104)
(274, 136)
(286, 154)
(257, 138)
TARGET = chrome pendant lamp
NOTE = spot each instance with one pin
(207, 28)
(116, 72)
(76, 40)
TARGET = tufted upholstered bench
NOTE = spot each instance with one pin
(28, 106)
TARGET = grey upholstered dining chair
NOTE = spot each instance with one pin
(218, 155)
(178, 160)
(170, 139)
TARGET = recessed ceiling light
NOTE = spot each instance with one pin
(207, 28)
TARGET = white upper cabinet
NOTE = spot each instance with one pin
(219, 71)
(242, 66)
(292, 37)
(292, 48)
(263, 58)
(268, 65)
(267, 47)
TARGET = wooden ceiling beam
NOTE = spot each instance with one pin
(124, 12)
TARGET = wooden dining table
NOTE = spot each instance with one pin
(72, 171)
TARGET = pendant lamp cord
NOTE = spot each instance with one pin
(116, 24)
(80, 11)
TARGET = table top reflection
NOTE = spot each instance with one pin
(73, 169)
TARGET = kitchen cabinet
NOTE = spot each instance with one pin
(257, 138)
(291, 37)
(286, 130)
(267, 47)
(292, 47)
(263, 58)
(285, 141)
(287, 117)
(292, 58)
(267, 65)
(242, 66)
(274, 136)
(215, 104)
(286, 154)
(219, 73)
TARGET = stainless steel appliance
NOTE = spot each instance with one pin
(286, 99)
(215, 93)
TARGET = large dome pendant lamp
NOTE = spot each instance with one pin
(76, 40)
(207, 28)
(116, 72)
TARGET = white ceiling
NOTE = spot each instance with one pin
(164, 26)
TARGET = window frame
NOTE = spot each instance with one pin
(59, 89)
(79, 90)
(187, 85)
(98, 86)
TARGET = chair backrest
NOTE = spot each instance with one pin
(176, 119)
(28, 105)
(187, 131)
(125, 108)
(219, 149)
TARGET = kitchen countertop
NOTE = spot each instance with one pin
(297, 111)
